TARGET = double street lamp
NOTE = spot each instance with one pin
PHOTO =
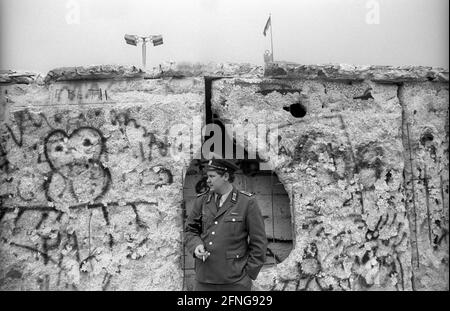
(134, 40)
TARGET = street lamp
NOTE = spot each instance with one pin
(134, 40)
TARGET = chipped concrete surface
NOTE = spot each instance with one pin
(91, 197)
(92, 201)
(343, 164)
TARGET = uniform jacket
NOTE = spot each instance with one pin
(234, 235)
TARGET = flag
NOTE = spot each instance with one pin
(268, 24)
(157, 40)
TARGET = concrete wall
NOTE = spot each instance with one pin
(359, 223)
(91, 199)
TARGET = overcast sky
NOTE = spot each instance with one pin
(39, 35)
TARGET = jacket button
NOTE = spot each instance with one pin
(210, 243)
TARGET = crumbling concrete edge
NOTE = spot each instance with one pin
(17, 77)
(275, 70)
(333, 72)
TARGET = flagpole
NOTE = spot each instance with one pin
(144, 53)
(271, 38)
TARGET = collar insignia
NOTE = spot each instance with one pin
(234, 197)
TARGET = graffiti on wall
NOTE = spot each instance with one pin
(80, 93)
(56, 188)
(139, 137)
(351, 214)
(76, 169)
(67, 246)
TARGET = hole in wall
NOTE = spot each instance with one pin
(254, 176)
(272, 199)
(258, 178)
(426, 137)
(87, 142)
(297, 110)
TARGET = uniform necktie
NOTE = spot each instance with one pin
(219, 196)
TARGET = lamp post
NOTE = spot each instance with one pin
(134, 40)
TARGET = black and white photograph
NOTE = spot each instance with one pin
(228, 152)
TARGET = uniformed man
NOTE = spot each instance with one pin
(225, 233)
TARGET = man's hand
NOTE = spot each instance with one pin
(200, 252)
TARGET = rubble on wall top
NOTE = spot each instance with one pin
(15, 77)
(165, 70)
(94, 72)
(386, 74)
(172, 69)
(376, 73)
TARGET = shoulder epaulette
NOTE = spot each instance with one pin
(200, 194)
(246, 193)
